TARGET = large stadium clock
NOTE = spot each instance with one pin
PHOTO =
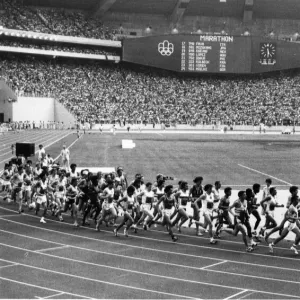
(268, 53)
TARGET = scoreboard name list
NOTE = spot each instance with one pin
(209, 54)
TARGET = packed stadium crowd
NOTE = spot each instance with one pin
(53, 20)
(95, 91)
(57, 47)
(110, 198)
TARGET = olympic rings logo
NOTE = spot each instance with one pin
(165, 48)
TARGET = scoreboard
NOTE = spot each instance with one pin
(196, 53)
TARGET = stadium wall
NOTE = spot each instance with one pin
(6, 95)
(61, 114)
(33, 109)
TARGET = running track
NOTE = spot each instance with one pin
(45, 137)
(56, 260)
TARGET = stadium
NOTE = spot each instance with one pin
(149, 149)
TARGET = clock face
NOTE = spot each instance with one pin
(268, 50)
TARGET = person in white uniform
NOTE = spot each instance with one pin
(65, 158)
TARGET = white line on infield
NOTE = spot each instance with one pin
(264, 174)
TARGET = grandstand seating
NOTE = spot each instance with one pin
(70, 4)
(144, 7)
(213, 8)
(98, 91)
(277, 9)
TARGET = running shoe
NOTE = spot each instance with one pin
(155, 225)
(61, 219)
(271, 248)
(190, 223)
(145, 227)
(174, 238)
(43, 220)
(76, 224)
(206, 230)
(254, 233)
(115, 232)
(134, 226)
(249, 249)
(98, 227)
(212, 241)
(125, 232)
(199, 233)
(217, 236)
(253, 244)
(179, 229)
(294, 249)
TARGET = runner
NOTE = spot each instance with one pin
(292, 218)
(207, 200)
(168, 201)
(240, 215)
(127, 203)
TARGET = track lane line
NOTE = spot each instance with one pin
(207, 238)
(141, 273)
(140, 247)
(37, 150)
(253, 170)
(237, 294)
(155, 275)
(153, 261)
(22, 139)
(55, 295)
(53, 248)
(7, 266)
(35, 139)
(216, 264)
(42, 288)
(90, 279)
(107, 253)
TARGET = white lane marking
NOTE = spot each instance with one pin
(37, 150)
(108, 253)
(216, 264)
(208, 238)
(128, 257)
(23, 138)
(253, 170)
(143, 273)
(53, 248)
(7, 266)
(56, 158)
(32, 140)
(15, 215)
(42, 288)
(247, 295)
(55, 295)
(237, 294)
(151, 249)
(91, 279)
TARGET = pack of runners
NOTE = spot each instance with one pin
(110, 200)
